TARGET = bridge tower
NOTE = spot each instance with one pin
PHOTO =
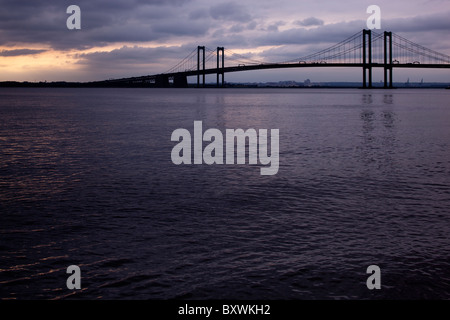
(367, 58)
(202, 49)
(220, 70)
(387, 59)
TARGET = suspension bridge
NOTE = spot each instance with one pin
(366, 50)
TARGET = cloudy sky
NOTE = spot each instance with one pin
(122, 38)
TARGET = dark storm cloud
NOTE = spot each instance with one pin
(102, 22)
(19, 52)
(106, 22)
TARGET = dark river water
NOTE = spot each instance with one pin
(86, 179)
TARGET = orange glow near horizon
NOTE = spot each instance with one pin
(52, 65)
(55, 65)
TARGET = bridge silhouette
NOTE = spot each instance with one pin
(366, 50)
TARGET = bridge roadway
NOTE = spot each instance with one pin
(164, 77)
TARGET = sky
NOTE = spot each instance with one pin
(124, 38)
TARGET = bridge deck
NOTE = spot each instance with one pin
(278, 66)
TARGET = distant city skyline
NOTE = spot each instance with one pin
(135, 37)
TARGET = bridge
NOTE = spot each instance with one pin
(366, 50)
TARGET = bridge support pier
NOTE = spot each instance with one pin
(388, 82)
(387, 59)
(202, 49)
(180, 81)
(220, 70)
(162, 81)
(367, 58)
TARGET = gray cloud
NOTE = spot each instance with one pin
(311, 21)
(198, 14)
(274, 26)
(19, 52)
(130, 54)
(421, 23)
(330, 33)
(230, 11)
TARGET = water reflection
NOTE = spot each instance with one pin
(379, 141)
(388, 118)
(367, 99)
(388, 99)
